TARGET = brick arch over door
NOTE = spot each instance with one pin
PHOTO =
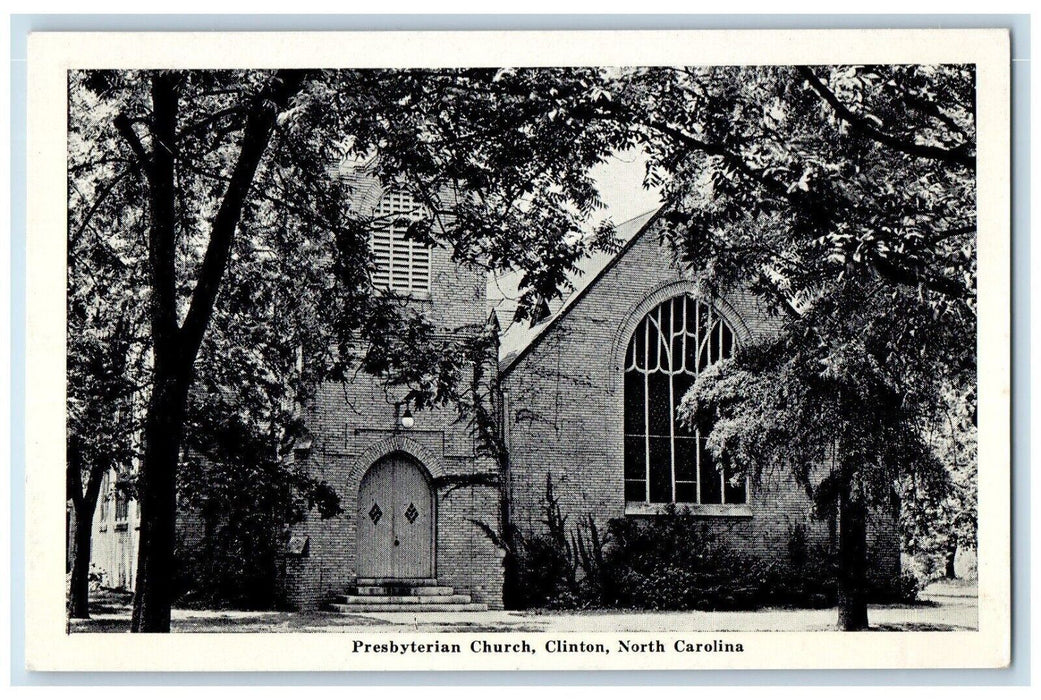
(398, 444)
(627, 326)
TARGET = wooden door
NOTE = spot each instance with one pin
(395, 535)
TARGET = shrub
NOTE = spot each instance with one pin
(675, 562)
(547, 561)
(810, 584)
(236, 519)
(903, 589)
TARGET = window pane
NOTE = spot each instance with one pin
(681, 384)
(711, 489)
(676, 307)
(635, 458)
(660, 338)
(658, 404)
(634, 403)
(728, 341)
(705, 357)
(677, 353)
(690, 359)
(640, 345)
(635, 491)
(661, 471)
(686, 459)
(686, 492)
(736, 489)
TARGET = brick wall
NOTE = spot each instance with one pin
(354, 426)
(563, 406)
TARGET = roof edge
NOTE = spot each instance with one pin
(504, 370)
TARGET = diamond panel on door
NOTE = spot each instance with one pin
(413, 531)
(375, 530)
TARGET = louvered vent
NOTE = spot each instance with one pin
(400, 264)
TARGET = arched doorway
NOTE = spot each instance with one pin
(395, 533)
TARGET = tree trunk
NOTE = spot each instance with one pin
(84, 503)
(164, 424)
(157, 499)
(952, 552)
(174, 347)
(852, 596)
(79, 583)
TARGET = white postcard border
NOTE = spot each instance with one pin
(48, 647)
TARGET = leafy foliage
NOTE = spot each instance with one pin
(107, 355)
(805, 175)
(547, 566)
(675, 561)
(841, 375)
(937, 523)
(106, 327)
(243, 488)
(500, 167)
(848, 195)
(235, 191)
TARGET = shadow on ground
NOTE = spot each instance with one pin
(916, 627)
(945, 606)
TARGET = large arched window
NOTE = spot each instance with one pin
(665, 462)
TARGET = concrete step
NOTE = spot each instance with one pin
(400, 589)
(419, 607)
(396, 582)
(402, 599)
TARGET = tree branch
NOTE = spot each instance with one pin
(126, 130)
(954, 156)
(257, 133)
(931, 109)
(951, 233)
(102, 196)
(76, 168)
(163, 209)
(901, 275)
(712, 149)
(212, 119)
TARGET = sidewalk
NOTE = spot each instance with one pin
(945, 606)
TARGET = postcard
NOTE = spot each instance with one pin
(518, 350)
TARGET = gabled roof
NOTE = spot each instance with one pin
(503, 292)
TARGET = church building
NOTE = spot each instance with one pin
(587, 398)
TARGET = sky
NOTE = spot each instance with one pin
(620, 181)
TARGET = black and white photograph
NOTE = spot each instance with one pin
(570, 364)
